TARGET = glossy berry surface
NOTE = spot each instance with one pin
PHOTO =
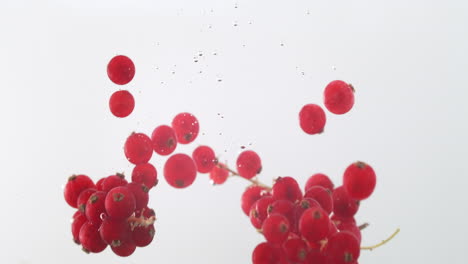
(342, 248)
(286, 188)
(338, 97)
(121, 103)
(95, 207)
(75, 185)
(359, 180)
(312, 119)
(265, 253)
(343, 205)
(319, 179)
(186, 127)
(138, 148)
(142, 236)
(219, 174)
(180, 171)
(275, 228)
(125, 249)
(121, 70)
(91, 239)
(322, 196)
(250, 196)
(113, 181)
(248, 164)
(314, 224)
(204, 158)
(120, 203)
(146, 174)
(114, 231)
(164, 140)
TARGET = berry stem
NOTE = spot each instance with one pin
(141, 221)
(253, 181)
(361, 227)
(383, 241)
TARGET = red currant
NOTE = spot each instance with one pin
(359, 180)
(312, 119)
(121, 70)
(138, 148)
(164, 140)
(120, 203)
(95, 207)
(146, 174)
(275, 228)
(322, 196)
(342, 248)
(343, 205)
(286, 188)
(219, 174)
(75, 185)
(250, 196)
(90, 238)
(113, 181)
(140, 192)
(76, 226)
(121, 103)
(143, 235)
(339, 97)
(114, 231)
(314, 224)
(83, 199)
(248, 164)
(180, 171)
(321, 180)
(186, 127)
(205, 159)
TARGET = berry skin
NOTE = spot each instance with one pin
(314, 224)
(359, 180)
(143, 236)
(205, 159)
(319, 179)
(113, 181)
(248, 164)
(339, 97)
(252, 194)
(120, 203)
(99, 183)
(120, 70)
(124, 250)
(75, 185)
(295, 249)
(180, 171)
(285, 208)
(146, 174)
(114, 232)
(322, 196)
(90, 238)
(312, 119)
(77, 223)
(186, 127)
(275, 228)
(342, 248)
(140, 192)
(164, 140)
(265, 253)
(138, 148)
(121, 103)
(286, 188)
(343, 205)
(95, 207)
(219, 174)
(83, 199)
(259, 211)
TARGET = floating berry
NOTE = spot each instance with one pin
(146, 174)
(286, 188)
(186, 127)
(164, 140)
(121, 70)
(204, 158)
(180, 171)
(219, 174)
(359, 180)
(248, 164)
(312, 119)
(120, 203)
(90, 238)
(319, 179)
(121, 103)
(339, 97)
(138, 148)
(75, 185)
(250, 196)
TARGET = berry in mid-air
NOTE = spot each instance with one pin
(248, 164)
(339, 97)
(164, 140)
(121, 103)
(180, 170)
(312, 119)
(121, 70)
(186, 127)
(205, 159)
(359, 180)
(138, 148)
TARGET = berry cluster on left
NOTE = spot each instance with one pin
(112, 212)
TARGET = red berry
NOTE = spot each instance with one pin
(99, 184)
(113, 181)
(259, 211)
(143, 235)
(248, 164)
(359, 180)
(300, 207)
(296, 250)
(322, 196)
(125, 249)
(314, 224)
(138, 148)
(219, 174)
(180, 171)
(286, 188)
(319, 179)
(186, 127)
(115, 231)
(121, 103)
(275, 228)
(250, 196)
(146, 174)
(285, 208)
(90, 238)
(343, 205)
(75, 185)
(120, 203)
(265, 253)
(140, 192)
(95, 207)
(339, 97)
(312, 119)
(121, 70)
(164, 140)
(76, 226)
(83, 199)
(205, 159)
(342, 248)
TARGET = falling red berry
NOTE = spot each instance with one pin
(121, 70)
(312, 119)
(339, 97)
(121, 103)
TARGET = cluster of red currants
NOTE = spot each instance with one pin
(316, 226)
(112, 212)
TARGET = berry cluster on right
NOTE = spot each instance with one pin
(316, 226)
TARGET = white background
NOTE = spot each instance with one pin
(408, 61)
